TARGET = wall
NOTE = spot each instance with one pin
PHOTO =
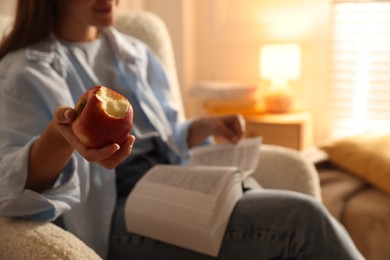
(231, 32)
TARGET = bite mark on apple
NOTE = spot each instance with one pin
(112, 104)
(103, 116)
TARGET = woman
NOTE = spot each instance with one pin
(55, 52)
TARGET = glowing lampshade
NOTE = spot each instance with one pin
(279, 63)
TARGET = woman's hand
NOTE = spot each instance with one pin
(52, 150)
(108, 156)
(229, 127)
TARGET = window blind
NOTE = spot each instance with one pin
(360, 66)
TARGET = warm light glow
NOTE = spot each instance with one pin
(280, 62)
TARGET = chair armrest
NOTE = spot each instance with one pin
(285, 168)
(26, 240)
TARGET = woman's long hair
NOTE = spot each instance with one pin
(34, 20)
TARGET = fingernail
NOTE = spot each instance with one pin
(66, 114)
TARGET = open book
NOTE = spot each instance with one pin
(189, 206)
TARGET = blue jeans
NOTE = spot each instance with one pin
(265, 224)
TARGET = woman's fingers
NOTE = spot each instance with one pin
(230, 127)
(64, 115)
(108, 156)
(120, 155)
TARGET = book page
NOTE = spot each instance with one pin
(244, 155)
(176, 193)
(200, 179)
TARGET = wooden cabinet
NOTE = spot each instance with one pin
(291, 130)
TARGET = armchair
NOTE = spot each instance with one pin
(279, 168)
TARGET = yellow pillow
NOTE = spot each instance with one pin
(366, 155)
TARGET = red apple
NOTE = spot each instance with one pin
(103, 116)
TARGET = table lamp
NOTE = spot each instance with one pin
(279, 63)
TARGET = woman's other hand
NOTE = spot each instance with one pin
(228, 127)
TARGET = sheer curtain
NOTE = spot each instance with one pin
(360, 66)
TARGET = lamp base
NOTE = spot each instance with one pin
(278, 101)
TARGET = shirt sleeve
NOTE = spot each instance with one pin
(27, 99)
(181, 137)
(16, 201)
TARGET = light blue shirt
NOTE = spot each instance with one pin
(96, 60)
(33, 82)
